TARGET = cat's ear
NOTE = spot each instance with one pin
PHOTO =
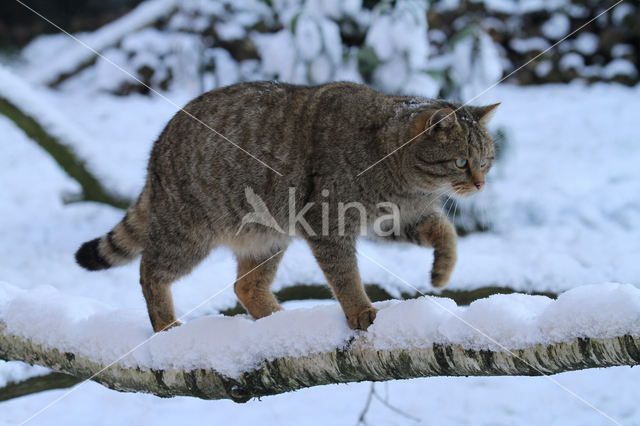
(484, 113)
(428, 121)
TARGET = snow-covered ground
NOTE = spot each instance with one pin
(564, 201)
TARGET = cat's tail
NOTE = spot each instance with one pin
(122, 244)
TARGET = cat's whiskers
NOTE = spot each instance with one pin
(442, 223)
(437, 194)
(455, 210)
(498, 144)
(484, 215)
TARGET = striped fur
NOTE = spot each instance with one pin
(316, 140)
(119, 246)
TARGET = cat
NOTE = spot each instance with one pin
(278, 144)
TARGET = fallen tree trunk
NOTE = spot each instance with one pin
(377, 293)
(297, 292)
(356, 363)
(92, 188)
(41, 123)
(86, 51)
(37, 384)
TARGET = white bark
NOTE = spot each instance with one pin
(354, 364)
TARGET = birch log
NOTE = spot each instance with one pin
(353, 364)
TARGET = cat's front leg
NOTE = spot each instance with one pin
(436, 231)
(337, 259)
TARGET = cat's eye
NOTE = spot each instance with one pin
(461, 162)
(484, 162)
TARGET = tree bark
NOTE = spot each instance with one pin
(37, 384)
(353, 364)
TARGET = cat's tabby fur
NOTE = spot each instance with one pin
(317, 138)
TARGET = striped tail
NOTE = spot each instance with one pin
(119, 246)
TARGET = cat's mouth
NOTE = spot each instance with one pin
(466, 190)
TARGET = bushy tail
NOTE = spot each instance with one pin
(120, 245)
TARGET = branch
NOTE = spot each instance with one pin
(37, 384)
(41, 123)
(358, 362)
(78, 57)
(92, 189)
(377, 293)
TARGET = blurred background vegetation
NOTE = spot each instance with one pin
(433, 48)
(451, 48)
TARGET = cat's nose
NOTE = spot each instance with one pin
(479, 185)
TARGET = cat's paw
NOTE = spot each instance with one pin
(171, 325)
(439, 279)
(363, 319)
(443, 264)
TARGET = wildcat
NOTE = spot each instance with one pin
(333, 143)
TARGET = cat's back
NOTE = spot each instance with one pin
(279, 123)
(254, 107)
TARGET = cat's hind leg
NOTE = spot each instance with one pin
(253, 286)
(157, 294)
(169, 254)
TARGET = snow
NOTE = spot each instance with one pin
(444, 400)
(14, 372)
(619, 67)
(556, 27)
(309, 49)
(332, 42)
(521, 45)
(108, 35)
(620, 13)
(621, 50)
(19, 93)
(226, 69)
(277, 52)
(178, 54)
(523, 6)
(236, 345)
(106, 76)
(422, 85)
(398, 37)
(320, 69)
(475, 66)
(563, 204)
(391, 76)
(378, 38)
(586, 43)
(230, 30)
(543, 68)
(308, 37)
(572, 60)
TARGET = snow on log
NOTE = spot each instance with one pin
(80, 56)
(238, 358)
(49, 129)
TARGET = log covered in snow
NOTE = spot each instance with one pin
(43, 124)
(237, 358)
(355, 363)
(84, 53)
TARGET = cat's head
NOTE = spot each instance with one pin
(452, 151)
